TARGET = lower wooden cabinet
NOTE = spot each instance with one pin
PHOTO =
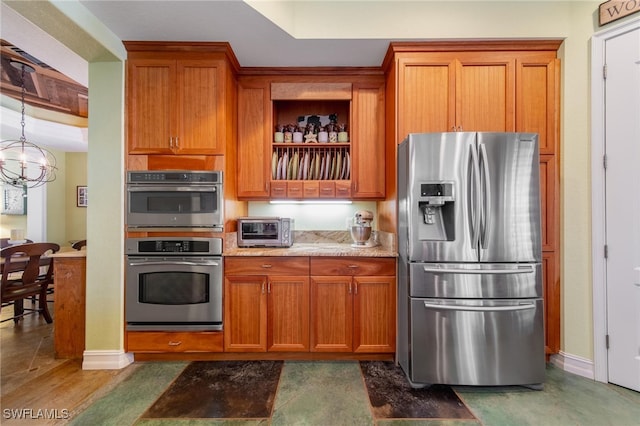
(174, 341)
(266, 304)
(352, 311)
(295, 304)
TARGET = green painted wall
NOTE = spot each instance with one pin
(75, 217)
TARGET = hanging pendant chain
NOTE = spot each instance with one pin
(24, 90)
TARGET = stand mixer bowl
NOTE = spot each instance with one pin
(360, 234)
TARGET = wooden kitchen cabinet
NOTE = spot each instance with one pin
(179, 98)
(455, 91)
(254, 138)
(367, 151)
(353, 305)
(482, 86)
(267, 100)
(266, 304)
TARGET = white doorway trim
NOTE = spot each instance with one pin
(598, 237)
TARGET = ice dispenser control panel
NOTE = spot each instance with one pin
(436, 193)
(436, 205)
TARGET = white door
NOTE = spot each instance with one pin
(622, 198)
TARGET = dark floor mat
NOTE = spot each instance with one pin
(220, 389)
(392, 397)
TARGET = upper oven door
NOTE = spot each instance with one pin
(174, 206)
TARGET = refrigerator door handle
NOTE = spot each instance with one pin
(529, 269)
(520, 307)
(486, 203)
(474, 197)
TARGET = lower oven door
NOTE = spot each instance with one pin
(174, 293)
(477, 342)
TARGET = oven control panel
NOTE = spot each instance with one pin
(178, 246)
(174, 176)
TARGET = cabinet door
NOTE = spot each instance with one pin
(200, 95)
(374, 314)
(245, 313)
(288, 313)
(150, 98)
(331, 314)
(368, 150)
(254, 137)
(426, 94)
(485, 93)
(537, 100)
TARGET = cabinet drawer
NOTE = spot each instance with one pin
(278, 189)
(343, 189)
(327, 190)
(266, 266)
(353, 266)
(179, 341)
(311, 189)
(294, 190)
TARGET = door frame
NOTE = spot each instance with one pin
(598, 217)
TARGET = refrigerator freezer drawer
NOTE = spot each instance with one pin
(476, 342)
(475, 281)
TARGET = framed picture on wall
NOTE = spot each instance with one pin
(81, 200)
(14, 200)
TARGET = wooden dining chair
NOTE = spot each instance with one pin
(22, 277)
(79, 244)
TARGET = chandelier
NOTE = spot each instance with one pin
(22, 163)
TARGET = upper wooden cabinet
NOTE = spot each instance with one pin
(254, 138)
(443, 88)
(351, 169)
(179, 98)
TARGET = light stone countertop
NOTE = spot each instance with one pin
(69, 253)
(315, 243)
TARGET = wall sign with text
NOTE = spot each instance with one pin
(615, 9)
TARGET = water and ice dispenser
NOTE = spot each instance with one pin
(436, 203)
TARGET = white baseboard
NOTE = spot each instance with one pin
(106, 360)
(574, 364)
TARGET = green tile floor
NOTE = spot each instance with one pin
(333, 393)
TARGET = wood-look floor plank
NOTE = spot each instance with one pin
(32, 379)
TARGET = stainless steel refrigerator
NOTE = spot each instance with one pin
(470, 307)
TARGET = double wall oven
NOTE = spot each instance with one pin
(174, 280)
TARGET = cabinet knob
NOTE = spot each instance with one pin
(266, 265)
(172, 343)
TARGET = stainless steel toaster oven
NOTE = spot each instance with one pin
(265, 232)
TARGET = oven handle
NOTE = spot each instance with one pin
(195, 188)
(175, 262)
(521, 307)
